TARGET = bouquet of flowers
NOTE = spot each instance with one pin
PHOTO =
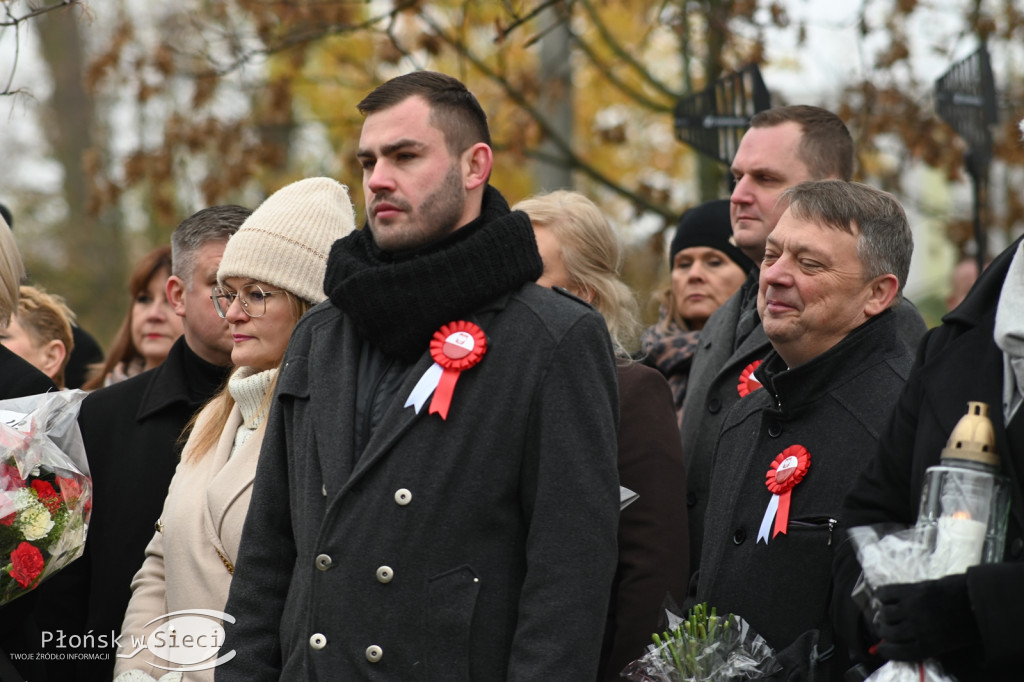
(704, 647)
(45, 489)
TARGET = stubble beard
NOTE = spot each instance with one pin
(437, 217)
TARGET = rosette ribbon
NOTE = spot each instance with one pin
(748, 382)
(455, 347)
(788, 468)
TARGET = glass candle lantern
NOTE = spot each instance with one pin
(965, 504)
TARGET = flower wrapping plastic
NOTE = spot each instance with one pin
(45, 489)
(891, 554)
(704, 648)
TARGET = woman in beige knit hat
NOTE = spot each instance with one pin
(271, 274)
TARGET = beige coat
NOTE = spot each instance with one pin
(202, 515)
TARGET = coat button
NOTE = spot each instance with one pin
(739, 536)
(403, 496)
(374, 653)
(775, 429)
(318, 641)
(323, 561)
(714, 406)
(1016, 547)
(385, 574)
(691, 499)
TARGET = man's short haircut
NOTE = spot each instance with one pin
(216, 223)
(453, 109)
(884, 240)
(825, 148)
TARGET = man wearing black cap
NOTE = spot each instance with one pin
(783, 147)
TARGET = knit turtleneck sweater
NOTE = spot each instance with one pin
(249, 389)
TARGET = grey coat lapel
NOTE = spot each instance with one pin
(333, 411)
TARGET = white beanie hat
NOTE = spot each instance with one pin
(286, 241)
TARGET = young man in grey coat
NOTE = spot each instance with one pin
(437, 495)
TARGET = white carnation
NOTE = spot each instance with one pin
(34, 521)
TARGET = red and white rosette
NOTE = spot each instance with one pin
(788, 469)
(748, 382)
(455, 347)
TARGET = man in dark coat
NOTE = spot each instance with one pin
(473, 539)
(132, 434)
(789, 451)
(971, 621)
(784, 146)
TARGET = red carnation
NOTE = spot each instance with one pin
(26, 563)
(47, 495)
(70, 488)
(9, 519)
(14, 479)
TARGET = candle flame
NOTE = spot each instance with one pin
(961, 515)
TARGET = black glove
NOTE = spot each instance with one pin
(925, 620)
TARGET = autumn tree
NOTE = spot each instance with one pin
(228, 100)
(293, 72)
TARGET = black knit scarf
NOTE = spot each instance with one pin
(398, 301)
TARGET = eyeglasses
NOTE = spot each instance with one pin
(252, 296)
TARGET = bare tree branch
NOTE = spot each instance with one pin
(565, 149)
(504, 31)
(13, 20)
(302, 37)
(620, 84)
(642, 71)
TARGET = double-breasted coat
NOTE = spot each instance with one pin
(481, 547)
(958, 362)
(835, 406)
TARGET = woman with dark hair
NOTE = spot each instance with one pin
(150, 326)
(707, 268)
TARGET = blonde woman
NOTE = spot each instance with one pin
(581, 255)
(17, 376)
(272, 272)
(40, 332)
